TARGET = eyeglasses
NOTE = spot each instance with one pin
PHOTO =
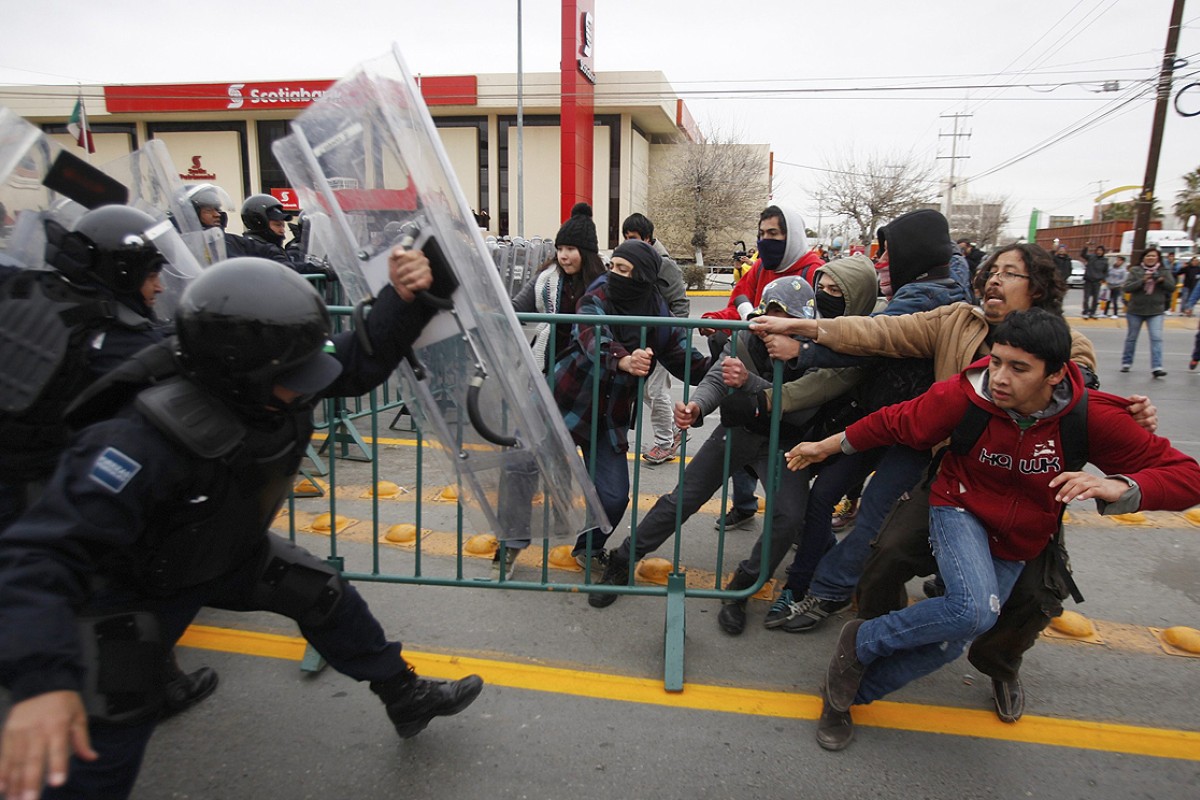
(1005, 277)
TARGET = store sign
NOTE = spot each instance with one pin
(587, 33)
(196, 172)
(287, 198)
(459, 90)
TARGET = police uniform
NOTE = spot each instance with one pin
(163, 509)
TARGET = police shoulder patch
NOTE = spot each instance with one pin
(114, 470)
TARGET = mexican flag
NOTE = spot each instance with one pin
(77, 126)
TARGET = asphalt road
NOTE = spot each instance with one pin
(574, 707)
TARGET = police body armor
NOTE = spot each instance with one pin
(45, 323)
(243, 472)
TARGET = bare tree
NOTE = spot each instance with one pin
(982, 220)
(870, 190)
(704, 196)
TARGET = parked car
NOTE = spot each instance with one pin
(1075, 281)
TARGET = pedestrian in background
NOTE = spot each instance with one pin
(1150, 286)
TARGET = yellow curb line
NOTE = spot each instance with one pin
(1082, 734)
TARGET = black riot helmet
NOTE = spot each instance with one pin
(247, 325)
(260, 210)
(110, 245)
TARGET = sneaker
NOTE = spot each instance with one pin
(510, 563)
(812, 612)
(1124, 368)
(784, 608)
(659, 454)
(735, 519)
(844, 514)
(1192, 365)
(412, 702)
(680, 438)
(616, 573)
(1159, 373)
(599, 560)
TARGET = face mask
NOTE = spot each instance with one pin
(884, 273)
(625, 292)
(829, 306)
(771, 252)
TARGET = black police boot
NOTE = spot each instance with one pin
(185, 689)
(732, 618)
(616, 573)
(412, 702)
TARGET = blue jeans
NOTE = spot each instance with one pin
(905, 645)
(1155, 325)
(897, 472)
(612, 486)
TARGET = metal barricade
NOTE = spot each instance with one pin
(422, 535)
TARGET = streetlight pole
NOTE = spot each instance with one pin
(520, 132)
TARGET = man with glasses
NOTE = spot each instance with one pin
(1013, 278)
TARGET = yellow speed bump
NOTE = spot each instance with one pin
(448, 493)
(561, 558)
(310, 487)
(403, 533)
(483, 545)
(385, 489)
(1136, 518)
(1179, 640)
(1192, 516)
(655, 570)
(324, 523)
(1073, 625)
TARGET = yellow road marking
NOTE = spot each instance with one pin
(1082, 734)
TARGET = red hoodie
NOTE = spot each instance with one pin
(1004, 480)
(750, 288)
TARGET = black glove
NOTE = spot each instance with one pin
(745, 410)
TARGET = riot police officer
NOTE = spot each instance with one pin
(263, 217)
(209, 202)
(168, 502)
(98, 302)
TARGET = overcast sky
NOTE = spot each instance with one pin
(1027, 71)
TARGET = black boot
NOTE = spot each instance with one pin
(412, 702)
(184, 690)
(732, 618)
(616, 573)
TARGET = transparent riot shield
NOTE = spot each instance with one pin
(26, 157)
(179, 270)
(367, 158)
(155, 187)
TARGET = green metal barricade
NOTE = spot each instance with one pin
(422, 535)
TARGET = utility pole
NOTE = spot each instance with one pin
(1097, 212)
(954, 156)
(1141, 216)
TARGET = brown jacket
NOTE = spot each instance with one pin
(953, 336)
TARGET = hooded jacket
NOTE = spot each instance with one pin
(1004, 480)
(856, 277)
(748, 291)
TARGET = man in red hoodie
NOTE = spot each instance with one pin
(782, 252)
(995, 506)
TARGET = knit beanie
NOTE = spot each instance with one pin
(579, 231)
(918, 247)
(645, 259)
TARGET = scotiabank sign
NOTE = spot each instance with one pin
(445, 90)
